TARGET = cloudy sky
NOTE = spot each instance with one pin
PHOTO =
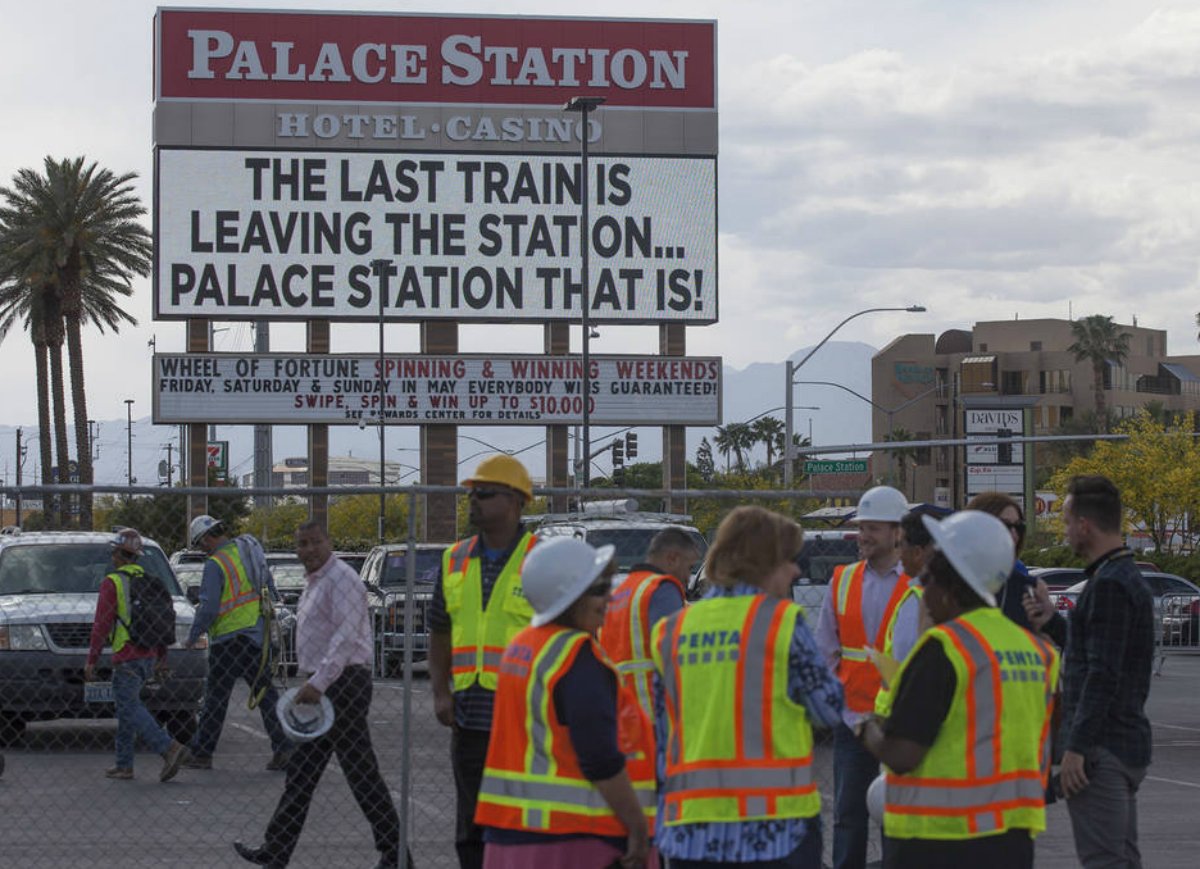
(987, 160)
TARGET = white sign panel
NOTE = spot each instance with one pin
(995, 478)
(991, 421)
(306, 234)
(989, 453)
(418, 390)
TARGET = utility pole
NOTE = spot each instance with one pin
(129, 442)
(20, 464)
(169, 446)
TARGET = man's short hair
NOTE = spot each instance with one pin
(312, 525)
(670, 538)
(1096, 498)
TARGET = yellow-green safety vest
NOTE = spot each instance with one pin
(883, 700)
(738, 747)
(479, 637)
(240, 600)
(986, 771)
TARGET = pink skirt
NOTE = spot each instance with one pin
(567, 854)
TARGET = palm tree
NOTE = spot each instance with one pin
(1098, 340)
(901, 455)
(74, 230)
(769, 430)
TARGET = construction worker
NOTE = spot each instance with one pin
(651, 592)
(739, 686)
(861, 608)
(231, 612)
(966, 741)
(558, 789)
(478, 607)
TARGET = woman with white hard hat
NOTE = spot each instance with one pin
(966, 738)
(568, 782)
(739, 686)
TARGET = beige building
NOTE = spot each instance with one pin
(961, 382)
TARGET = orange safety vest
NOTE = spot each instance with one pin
(858, 674)
(625, 635)
(532, 780)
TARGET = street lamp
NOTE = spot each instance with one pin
(585, 106)
(129, 439)
(380, 266)
(793, 367)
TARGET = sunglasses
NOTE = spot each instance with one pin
(1019, 527)
(484, 494)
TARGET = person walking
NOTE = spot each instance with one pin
(966, 741)
(861, 608)
(652, 591)
(1020, 583)
(1108, 653)
(739, 685)
(133, 665)
(478, 607)
(558, 791)
(231, 612)
(334, 649)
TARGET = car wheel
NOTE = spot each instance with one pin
(12, 728)
(180, 723)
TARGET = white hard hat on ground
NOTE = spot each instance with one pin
(557, 572)
(303, 722)
(201, 526)
(978, 546)
(875, 798)
(881, 504)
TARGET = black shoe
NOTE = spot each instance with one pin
(257, 855)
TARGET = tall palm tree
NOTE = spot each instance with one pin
(75, 229)
(1099, 340)
(901, 455)
(769, 431)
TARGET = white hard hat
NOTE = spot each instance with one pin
(303, 722)
(200, 526)
(978, 546)
(875, 798)
(881, 504)
(557, 572)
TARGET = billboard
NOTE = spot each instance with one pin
(994, 467)
(328, 234)
(302, 389)
(314, 164)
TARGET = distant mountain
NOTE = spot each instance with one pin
(749, 391)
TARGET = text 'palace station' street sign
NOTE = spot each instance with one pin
(310, 164)
(299, 389)
(845, 466)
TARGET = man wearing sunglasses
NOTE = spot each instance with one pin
(478, 606)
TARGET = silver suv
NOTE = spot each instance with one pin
(49, 584)
(385, 573)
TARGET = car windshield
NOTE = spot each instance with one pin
(69, 568)
(287, 575)
(632, 543)
(395, 567)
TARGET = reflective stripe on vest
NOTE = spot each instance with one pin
(746, 759)
(240, 601)
(986, 771)
(120, 632)
(625, 635)
(883, 700)
(532, 780)
(478, 637)
(858, 674)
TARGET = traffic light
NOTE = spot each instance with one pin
(618, 476)
(618, 453)
(1003, 450)
(631, 444)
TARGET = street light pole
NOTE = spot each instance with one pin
(585, 106)
(129, 440)
(381, 271)
(793, 367)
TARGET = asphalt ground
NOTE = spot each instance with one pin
(57, 809)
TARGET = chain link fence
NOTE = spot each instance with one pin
(58, 805)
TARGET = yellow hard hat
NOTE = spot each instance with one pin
(506, 471)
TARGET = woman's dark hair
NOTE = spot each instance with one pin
(751, 542)
(996, 503)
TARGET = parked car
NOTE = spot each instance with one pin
(1179, 621)
(354, 559)
(1059, 581)
(385, 574)
(49, 584)
(823, 550)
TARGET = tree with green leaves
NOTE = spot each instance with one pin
(704, 461)
(769, 431)
(900, 457)
(72, 235)
(1099, 341)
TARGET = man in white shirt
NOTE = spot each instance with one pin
(334, 650)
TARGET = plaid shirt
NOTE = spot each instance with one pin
(1109, 652)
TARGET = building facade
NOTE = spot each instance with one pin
(928, 387)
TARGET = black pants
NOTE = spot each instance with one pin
(1010, 850)
(229, 660)
(350, 737)
(468, 754)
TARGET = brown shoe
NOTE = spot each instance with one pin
(119, 772)
(173, 758)
(279, 761)
(194, 762)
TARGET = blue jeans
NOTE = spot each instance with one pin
(133, 718)
(854, 768)
(229, 660)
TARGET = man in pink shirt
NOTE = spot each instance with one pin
(133, 665)
(334, 650)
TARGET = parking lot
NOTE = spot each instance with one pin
(57, 809)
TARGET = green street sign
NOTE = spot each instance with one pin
(844, 466)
